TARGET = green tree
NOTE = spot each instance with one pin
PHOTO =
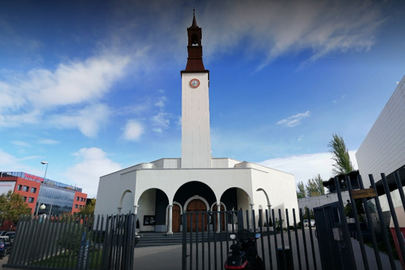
(301, 190)
(12, 207)
(89, 208)
(315, 187)
(341, 156)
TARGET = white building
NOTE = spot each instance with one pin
(383, 149)
(161, 190)
(317, 201)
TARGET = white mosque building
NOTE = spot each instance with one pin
(161, 190)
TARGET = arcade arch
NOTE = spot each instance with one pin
(152, 208)
(126, 202)
(235, 198)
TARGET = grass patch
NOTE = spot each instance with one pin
(70, 260)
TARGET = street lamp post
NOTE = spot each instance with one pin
(43, 206)
(46, 167)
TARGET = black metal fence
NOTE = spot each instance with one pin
(74, 242)
(283, 242)
(357, 236)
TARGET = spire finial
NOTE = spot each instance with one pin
(194, 20)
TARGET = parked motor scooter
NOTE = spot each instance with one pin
(244, 252)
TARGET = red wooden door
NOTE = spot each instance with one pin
(196, 205)
(176, 218)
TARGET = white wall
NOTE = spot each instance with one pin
(195, 122)
(312, 202)
(223, 163)
(383, 149)
(111, 187)
(280, 188)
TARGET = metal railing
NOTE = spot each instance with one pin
(357, 236)
(74, 242)
(283, 241)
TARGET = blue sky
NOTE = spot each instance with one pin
(94, 86)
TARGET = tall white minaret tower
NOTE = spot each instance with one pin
(195, 117)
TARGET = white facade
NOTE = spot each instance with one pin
(159, 191)
(383, 149)
(127, 190)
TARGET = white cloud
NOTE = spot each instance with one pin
(74, 82)
(35, 97)
(10, 163)
(276, 27)
(88, 120)
(307, 166)
(21, 143)
(161, 102)
(133, 130)
(160, 122)
(93, 163)
(294, 120)
(13, 120)
(48, 141)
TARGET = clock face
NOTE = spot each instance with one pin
(194, 83)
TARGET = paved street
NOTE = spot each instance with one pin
(155, 258)
(3, 261)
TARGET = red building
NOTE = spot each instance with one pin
(79, 201)
(56, 197)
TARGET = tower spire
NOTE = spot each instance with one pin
(194, 48)
(194, 20)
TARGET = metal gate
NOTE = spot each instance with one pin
(355, 237)
(350, 240)
(284, 241)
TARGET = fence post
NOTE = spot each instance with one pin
(346, 234)
(184, 243)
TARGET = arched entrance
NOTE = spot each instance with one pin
(195, 197)
(152, 208)
(196, 207)
(235, 199)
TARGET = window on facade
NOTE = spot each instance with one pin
(30, 199)
(26, 188)
(24, 198)
(33, 190)
(76, 206)
(19, 187)
(77, 198)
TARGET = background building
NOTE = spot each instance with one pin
(57, 197)
(383, 149)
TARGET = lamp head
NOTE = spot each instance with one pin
(44, 162)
